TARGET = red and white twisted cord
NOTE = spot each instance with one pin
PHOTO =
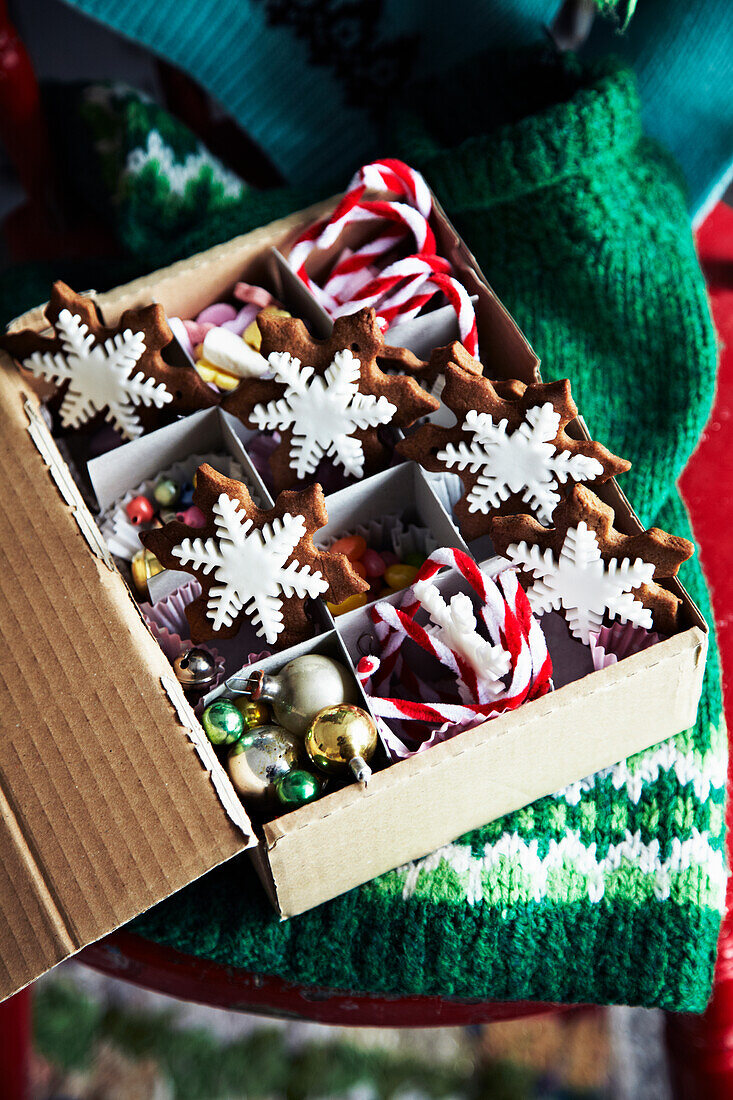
(505, 611)
(356, 280)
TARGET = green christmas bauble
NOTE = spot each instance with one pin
(223, 722)
(297, 788)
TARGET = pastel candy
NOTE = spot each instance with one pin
(353, 546)
(221, 378)
(253, 295)
(229, 352)
(217, 314)
(244, 318)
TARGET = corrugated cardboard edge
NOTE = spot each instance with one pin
(56, 466)
(350, 814)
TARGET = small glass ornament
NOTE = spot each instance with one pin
(143, 566)
(340, 739)
(298, 788)
(302, 688)
(254, 712)
(195, 669)
(222, 722)
(261, 757)
(166, 492)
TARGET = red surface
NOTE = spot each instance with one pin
(167, 971)
(700, 1048)
(15, 1039)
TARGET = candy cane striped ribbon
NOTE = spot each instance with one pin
(356, 280)
(507, 615)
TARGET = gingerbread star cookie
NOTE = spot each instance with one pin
(112, 372)
(583, 566)
(510, 448)
(254, 565)
(328, 398)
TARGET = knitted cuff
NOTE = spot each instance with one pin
(601, 119)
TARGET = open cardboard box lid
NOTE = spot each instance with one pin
(107, 803)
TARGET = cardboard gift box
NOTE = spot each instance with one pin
(112, 797)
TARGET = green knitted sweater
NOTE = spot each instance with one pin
(611, 890)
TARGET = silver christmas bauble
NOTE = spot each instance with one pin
(195, 669)
(302, 688)
(261, 757)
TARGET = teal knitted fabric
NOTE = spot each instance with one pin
(613, 889)
(313, 81)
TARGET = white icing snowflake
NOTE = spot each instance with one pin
(99, 376)
(582, 583)
(524, 461)
(454, 624)
(323, 411)
(249, 564)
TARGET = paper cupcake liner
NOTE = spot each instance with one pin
(377, 532)
(123, 537)
(612, 643)
(170, 612)
(412, 539)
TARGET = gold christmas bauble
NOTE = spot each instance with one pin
(254, 711)
(342, 738)
(261, 757)
(143, 566)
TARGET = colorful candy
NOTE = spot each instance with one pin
(230, 353)
(374, 564)
(386, 572)
(400, 576)
(252, 333)
(359, 599)
(353, 546)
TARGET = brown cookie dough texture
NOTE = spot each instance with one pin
(150, 392)
(659, 549)
(508, 404)
(359, 334)
(267, 582)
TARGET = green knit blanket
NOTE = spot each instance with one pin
(611, 890)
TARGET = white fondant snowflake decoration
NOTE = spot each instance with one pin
(583, 584)
(524, 461)
(323, 411)
(454, 624)
(99, 376)
(249, 564)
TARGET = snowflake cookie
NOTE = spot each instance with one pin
(253, 565)
(589, 570)
(509, 447)
(328, 398)
(116, 373)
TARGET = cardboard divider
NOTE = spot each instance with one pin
(403, 493)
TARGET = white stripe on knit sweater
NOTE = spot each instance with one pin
(704, 774)
(570, 852)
